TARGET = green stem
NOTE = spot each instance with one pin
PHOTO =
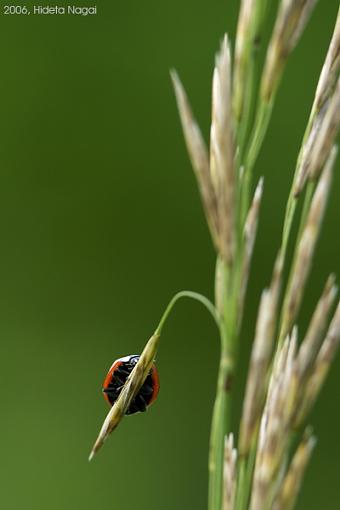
(285, 238)
(220, 418)
(241, 490)
(244, 72)
(249, 474)
(220, 426)
(260, 128)
(192, 295)
(288, 222)
(245, 478)
(221, 412)
(226, 303)
(248, 97)
(289, 216)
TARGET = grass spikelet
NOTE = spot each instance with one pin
(248, 38)
(314, 336)
(199, 158)
(320, 369)
(328, 130)
(330, 70)
(292, 16)
(285, 500)
(291, 20)
(222, 151)
(260, 360)
(229, 473)
(305, 248)
(319, 142)
(275, 426)
(249, 233)
(318, 127)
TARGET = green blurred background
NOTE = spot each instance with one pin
(101, 224)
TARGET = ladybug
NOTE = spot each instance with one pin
(116, 378)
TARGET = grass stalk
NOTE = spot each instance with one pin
(284, 378)
(219, 428)
(221, 419)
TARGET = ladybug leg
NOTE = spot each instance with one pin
(120, 375)
(122, 371)
(119, 380)
(111, 389)
(141, 403)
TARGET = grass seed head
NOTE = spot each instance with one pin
(306, 248)
(275, 425)
(320, 369)
(314, 336)
(291, 20)
(229, 473)
(222, 151)
(291, 483)
(327, 132)
(199, 157)
(330, 69)
(260, 360)
(245, 39)
(323, 122)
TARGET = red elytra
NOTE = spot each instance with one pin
(116, 378)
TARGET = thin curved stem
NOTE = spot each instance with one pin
(221, 412)
(192, 295)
